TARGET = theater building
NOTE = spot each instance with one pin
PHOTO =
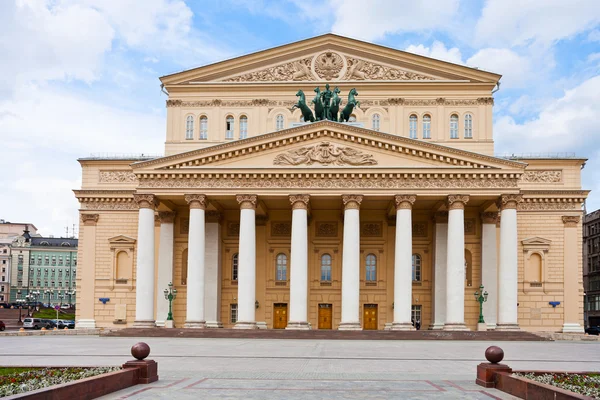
(263, 219)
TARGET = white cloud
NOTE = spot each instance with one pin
(439, 51)
(516, 70)
(594, 36)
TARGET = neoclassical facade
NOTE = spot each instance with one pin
(261, 219)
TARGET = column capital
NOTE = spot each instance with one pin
(146, 201)
(196, 201)
(299, 201)
(571, 221)
(166, 217)
(247, 201)
(457, 201)
(441, 217)
(405, 201)
(352, 201)
(213, 216)
(90, 219)
(489, 217)
(509, 201)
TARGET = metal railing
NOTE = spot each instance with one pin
(122, 156)
(517, 156)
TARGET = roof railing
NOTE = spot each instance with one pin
(122, 156)
(517, 156)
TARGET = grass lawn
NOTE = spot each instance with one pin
(49, 313)
(10, 370)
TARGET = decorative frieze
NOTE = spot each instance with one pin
(352, 201)
(419, 229)
(326, 229)
(117, 176)
(233, 228)
(457, 201)
(542, 176)
(281, 228)
(196, 201)
(550, 204)
(299, 201)
(324, 153)
(166, 217)
(509, 201)
(371, 229)
(470, 226)
(229, 103)
(405, 201)
(146, 201)
(489, 217)
(247, 201)
(298, 70)
(441, 101)
(90, 219)
(366, 70)
(108, 204)
(571, 221)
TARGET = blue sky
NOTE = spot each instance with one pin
(81, 77)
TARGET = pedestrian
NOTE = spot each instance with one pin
(418, 324)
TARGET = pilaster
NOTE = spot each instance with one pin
(571, 274)
(86, 274)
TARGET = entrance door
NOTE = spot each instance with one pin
(281, 318)
(325, 316)
(370, 317)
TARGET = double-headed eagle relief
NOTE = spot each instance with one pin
(327, 105)
(324, 153)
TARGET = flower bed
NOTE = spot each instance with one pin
(40, 378)
(585, 384)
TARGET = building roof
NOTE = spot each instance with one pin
(54, 242)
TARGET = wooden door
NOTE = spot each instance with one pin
(325, 316)
(280, 315)
(370, 317)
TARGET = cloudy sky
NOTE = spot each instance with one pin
(81, 76)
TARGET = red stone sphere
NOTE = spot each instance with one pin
(141, 350)
(494, 354)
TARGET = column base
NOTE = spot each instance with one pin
(481, 327)
(350, 326)
(169, 324)
(261, 325)
(455, 327)
(572, 328)
(144, 324)
(507, 328)
(86, 324)
(491, 326)
(160, 323)
(298, 326)
(402, 326)
(214, 324)
(437, 326)
(195, 324)
(245, 325)
(387, 326)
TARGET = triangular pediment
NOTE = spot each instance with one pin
(328, 145)
(330, 58)
(536, 241)
(121, 239)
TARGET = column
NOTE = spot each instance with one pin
(439, 270)
(86, 295)
(351, 263)
(507, 267)
(247, 262)
(403, 263)
(489, 267)
(196, 249)
(299, 263)
(573, 286)
(144, 285)
(212, 268)
(165, 265)
(455, 269)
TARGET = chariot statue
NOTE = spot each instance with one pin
(327, 105)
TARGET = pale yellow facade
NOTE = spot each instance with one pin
(328, 160)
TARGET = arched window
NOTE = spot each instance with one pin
(189, 127)
(371, 268)
(375, 122)
(234, 267)
(281, 273)
(279, 122)
(416, 267)
(243, 127)
(427, 126)
(124, 267)
(454, 126)
(204, 127)
(184, 267)
(326, 268)
(533, 271)
(468, 126)
(229, 121)
(352, 118)
(412, 126)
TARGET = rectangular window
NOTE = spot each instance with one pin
(326, 273)
(415, 314)
(204, 128)
(229, 128)
(234, 313)
(243, 128)
(412, 127)
(426, 127)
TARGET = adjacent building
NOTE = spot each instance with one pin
(9, 231)
(264, 218)
(591, 269)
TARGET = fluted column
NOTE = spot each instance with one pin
(455, 269)
(573, 285)
(508, 269)
(144, 285)
(247, 263)
(196, 263)
(489, 267)
(439, 273)
(351, 263)
(165, 265)
(299, 263)
(403, 263)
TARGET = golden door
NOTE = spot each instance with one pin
(280, 319)
(370, 317)
(325, 316)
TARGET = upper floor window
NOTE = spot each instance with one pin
(281, 267)
(371, 268)
(326, 268)
(204, 127)
(243, 127)
(229, 121)
(234, 267)
(412, 126)
(375, 122)
(279, 122)
(454, 126)
(352, 118)
(189, 127)
(427, 126)
(416, 267)
(468, 126)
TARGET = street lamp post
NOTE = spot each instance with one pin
(481, 297)
(50, 293)
(170, 295)
(20, 303)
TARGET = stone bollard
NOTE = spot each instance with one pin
(148, 369)
(55, 329)
(65, 328)
(486, 371)
(22, 330)
(43, 328)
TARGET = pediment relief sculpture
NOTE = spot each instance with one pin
(324, 153)
(366, 70)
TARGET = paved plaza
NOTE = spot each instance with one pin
(303, 369)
